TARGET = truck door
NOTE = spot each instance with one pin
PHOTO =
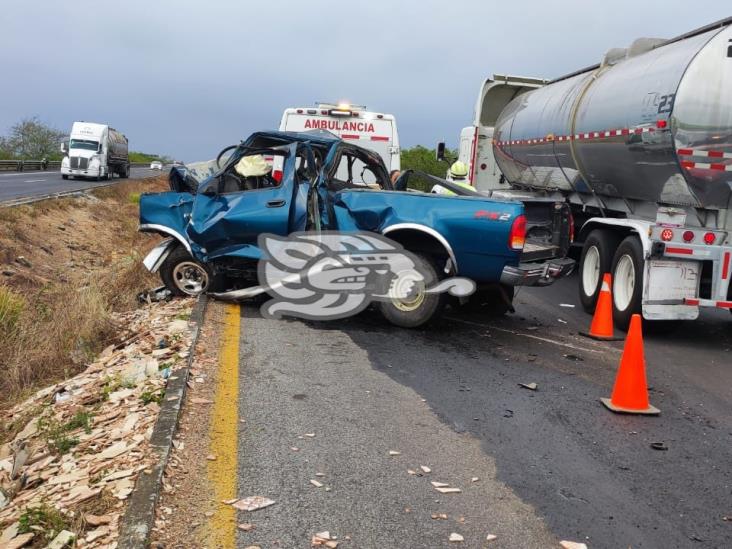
(234, 207)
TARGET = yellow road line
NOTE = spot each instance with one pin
(222, 472)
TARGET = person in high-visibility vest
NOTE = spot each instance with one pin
(458, 174)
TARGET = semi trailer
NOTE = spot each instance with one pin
(95, 151)
(640, 147)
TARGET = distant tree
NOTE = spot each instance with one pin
(32, 139)
(425, 160)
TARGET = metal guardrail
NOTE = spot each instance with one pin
(28, 165)
(35, 165)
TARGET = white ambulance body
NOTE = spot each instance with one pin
(370, 130)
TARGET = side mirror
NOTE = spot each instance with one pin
(441, 151)
(99, 148)
(65, 146)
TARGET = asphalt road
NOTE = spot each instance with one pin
(553, 463)
(15, 185)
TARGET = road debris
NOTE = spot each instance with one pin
(445, 488)
(246, 527)
(85, 440)
(567, 305)
(394, 453)
(324, 539)
(491, 537)
(316, 483)
(439, 516)
(659, 446)
(425, 469)
(572, 545)
(475, 479)
(456, 538)
(530, 386)
(252, 503)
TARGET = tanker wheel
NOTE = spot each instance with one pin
(596, 260)
(627, 281)
(64, 177)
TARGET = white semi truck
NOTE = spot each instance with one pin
(95, 151)
(640, 146)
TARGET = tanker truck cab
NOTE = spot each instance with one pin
(94, 151)
(352, 123)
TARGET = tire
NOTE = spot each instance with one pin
(64, 177)
(627, 281)
(595, 261)
(492, 302)
(421, 307)
(183, 275)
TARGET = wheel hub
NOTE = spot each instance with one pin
(190, 278)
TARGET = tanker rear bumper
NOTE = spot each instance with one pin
(537, 274)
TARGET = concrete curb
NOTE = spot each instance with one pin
(138, 520)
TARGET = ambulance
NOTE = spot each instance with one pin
(370, 130)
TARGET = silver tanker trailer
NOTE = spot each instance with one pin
(640, 146)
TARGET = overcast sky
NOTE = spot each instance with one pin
(187, 78)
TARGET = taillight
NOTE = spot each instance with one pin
(688, 236)
(666, 235)
(517, 237)
(571, 228)
(709, 238)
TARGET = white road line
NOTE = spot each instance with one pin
(33, 180)
(544, 339)
(18, 174)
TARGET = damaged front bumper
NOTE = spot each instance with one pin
(537, 274)
(158, 254)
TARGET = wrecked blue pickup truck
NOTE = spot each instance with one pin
(282, 183)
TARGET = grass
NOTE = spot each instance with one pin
(152, 396)
(56, 316)
(58, 435)
(43, 520)
(11, 306)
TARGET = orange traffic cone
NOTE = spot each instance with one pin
(602, 320)
(630, 393)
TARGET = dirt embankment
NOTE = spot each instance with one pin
(65, 267)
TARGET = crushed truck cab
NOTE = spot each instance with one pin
(317, 182)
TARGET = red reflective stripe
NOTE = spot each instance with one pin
(685, 251)
(725, 267)
(721, 167)
(379, 138)
(715, 154)
(474, 156)
(344, 136)
(685, 152)
(687, 164)
(724, 304)
(689, 301)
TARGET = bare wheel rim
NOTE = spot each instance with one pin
(190, 277)
(408, 291)
(623, 282)
(591, 270)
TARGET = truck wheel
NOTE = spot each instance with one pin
(183, 275)
(627, 281)
(64, 177)
(419, 307)
(596, 260)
